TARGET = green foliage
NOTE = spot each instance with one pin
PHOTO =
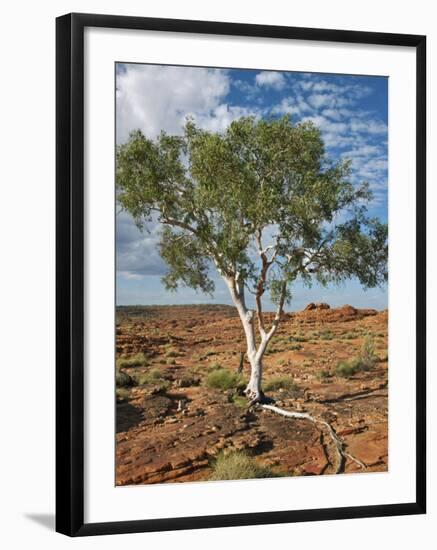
(323, 374)
(364, 362)
(298, 338)
(368, 356)
(239, 401)
(276, 383)
(122, 395)
(346, 369)
(122, 379)
(153, 376)
(222, 379)
(217, 195)
(238, 465)
(296, 347)
(138, 360)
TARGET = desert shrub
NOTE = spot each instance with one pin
(122, 379)
(238, 465)
(213, 367)
(368, 356)
(188, 381)
(326, 335)
(279, 382)
(138, 360)
(323, 374)
(364, 362)
(153, 376)
(239, 401)
(296, 347)
(346, 369)
(222, 379)
(349, 368)
(272, 350)
(122, 395)
(297, 338)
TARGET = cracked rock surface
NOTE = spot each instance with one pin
(170, 428)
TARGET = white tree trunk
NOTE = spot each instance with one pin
(253, 389)
(255, 356)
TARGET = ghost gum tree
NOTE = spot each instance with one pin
(261, 202)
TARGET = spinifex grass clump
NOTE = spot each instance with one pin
(153, 376)
(122, 395)
(223, 379)
(122, 379)
(137, 360)
(368, 356)
(364, 362)
(276, 383)
(347, 368)
(323, 374)
(239, 465)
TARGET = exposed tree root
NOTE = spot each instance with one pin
(258, 398)
(339, 444)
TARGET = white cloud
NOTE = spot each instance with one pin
(292, 105)
(154, 98)
(271, 79)
(368, 126)
(137, 253)
(219, 118)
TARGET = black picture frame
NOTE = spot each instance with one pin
(70, 273)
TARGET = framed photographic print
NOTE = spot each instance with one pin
(240, 274)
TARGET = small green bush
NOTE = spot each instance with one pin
(138, 360)
(298, 338)
(239, 401)
(296, 347)
(222, 379)
(364, 362)
(279, 382)
(122, 395)
(346, 369)
(368, 356)
(238, 465)
(213, 367)
(323, 374)
(151, 377)
(122, 379)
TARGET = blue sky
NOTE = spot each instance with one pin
(351, 112)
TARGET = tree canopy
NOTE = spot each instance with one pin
(261, 201)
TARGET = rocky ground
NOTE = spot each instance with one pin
(171, 425)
